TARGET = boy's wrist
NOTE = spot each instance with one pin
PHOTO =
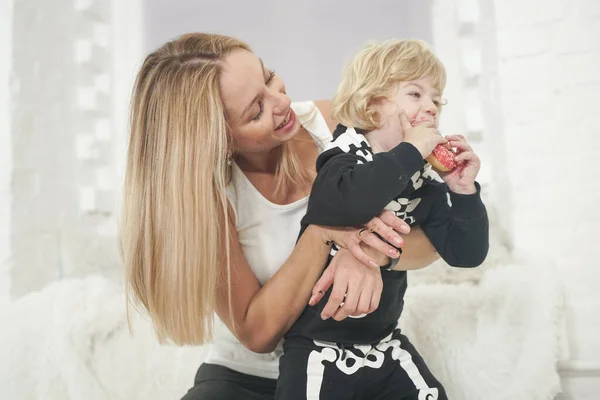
(467, 205)
(464, 189)
(415, 144)
(410, 155)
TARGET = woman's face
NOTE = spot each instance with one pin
(258, 109)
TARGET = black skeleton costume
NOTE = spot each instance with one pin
(332, 360)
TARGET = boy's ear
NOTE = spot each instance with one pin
(377, 104)
(376, 108)
(378, 101)
(383, 106)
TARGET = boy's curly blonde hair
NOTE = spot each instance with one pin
(373, 72)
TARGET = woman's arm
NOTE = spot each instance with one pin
(259, 316)
(418, 252)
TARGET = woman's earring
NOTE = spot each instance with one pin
(229, 160)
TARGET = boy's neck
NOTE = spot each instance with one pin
(382, 140)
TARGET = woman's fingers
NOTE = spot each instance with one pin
(337, 297)
(388, 221)
(349, 305)
(356, 289)
(383, 247)
(322, 285)
(359, 253)
(360, 295)
(376, 294)
(364, 303)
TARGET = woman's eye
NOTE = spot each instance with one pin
(260, 104)
(260, 111)
(271, 76)
(416, 95)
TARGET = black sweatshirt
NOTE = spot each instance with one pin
(352, 186)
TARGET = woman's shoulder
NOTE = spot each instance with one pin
(315, 117)
(307, 111)
(324, 107)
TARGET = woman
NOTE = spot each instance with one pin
(219, 169)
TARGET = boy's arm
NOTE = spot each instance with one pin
(348, 192)
(460, 232)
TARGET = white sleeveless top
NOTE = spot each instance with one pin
(267, 234)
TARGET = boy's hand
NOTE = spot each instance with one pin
(461, 180)
(423, 137)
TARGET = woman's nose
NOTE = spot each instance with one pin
(282, 102)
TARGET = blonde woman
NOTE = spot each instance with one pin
(219, 168)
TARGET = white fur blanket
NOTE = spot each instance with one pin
(497, 340)
(493, 338)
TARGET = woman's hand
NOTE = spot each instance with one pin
(386, 225)
(356, 288)
(355, 272)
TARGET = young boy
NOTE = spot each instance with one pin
(388, 104)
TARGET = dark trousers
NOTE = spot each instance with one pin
(390, 369)
(214, 382)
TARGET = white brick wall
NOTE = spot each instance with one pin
(62, 215)
(538, 85)
(549, 80)
(457, 40)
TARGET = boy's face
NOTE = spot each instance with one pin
(418, 99)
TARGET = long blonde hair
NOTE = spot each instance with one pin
(174, 225)
(372, 73)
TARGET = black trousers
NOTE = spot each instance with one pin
(390, 369)
(214, 382)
